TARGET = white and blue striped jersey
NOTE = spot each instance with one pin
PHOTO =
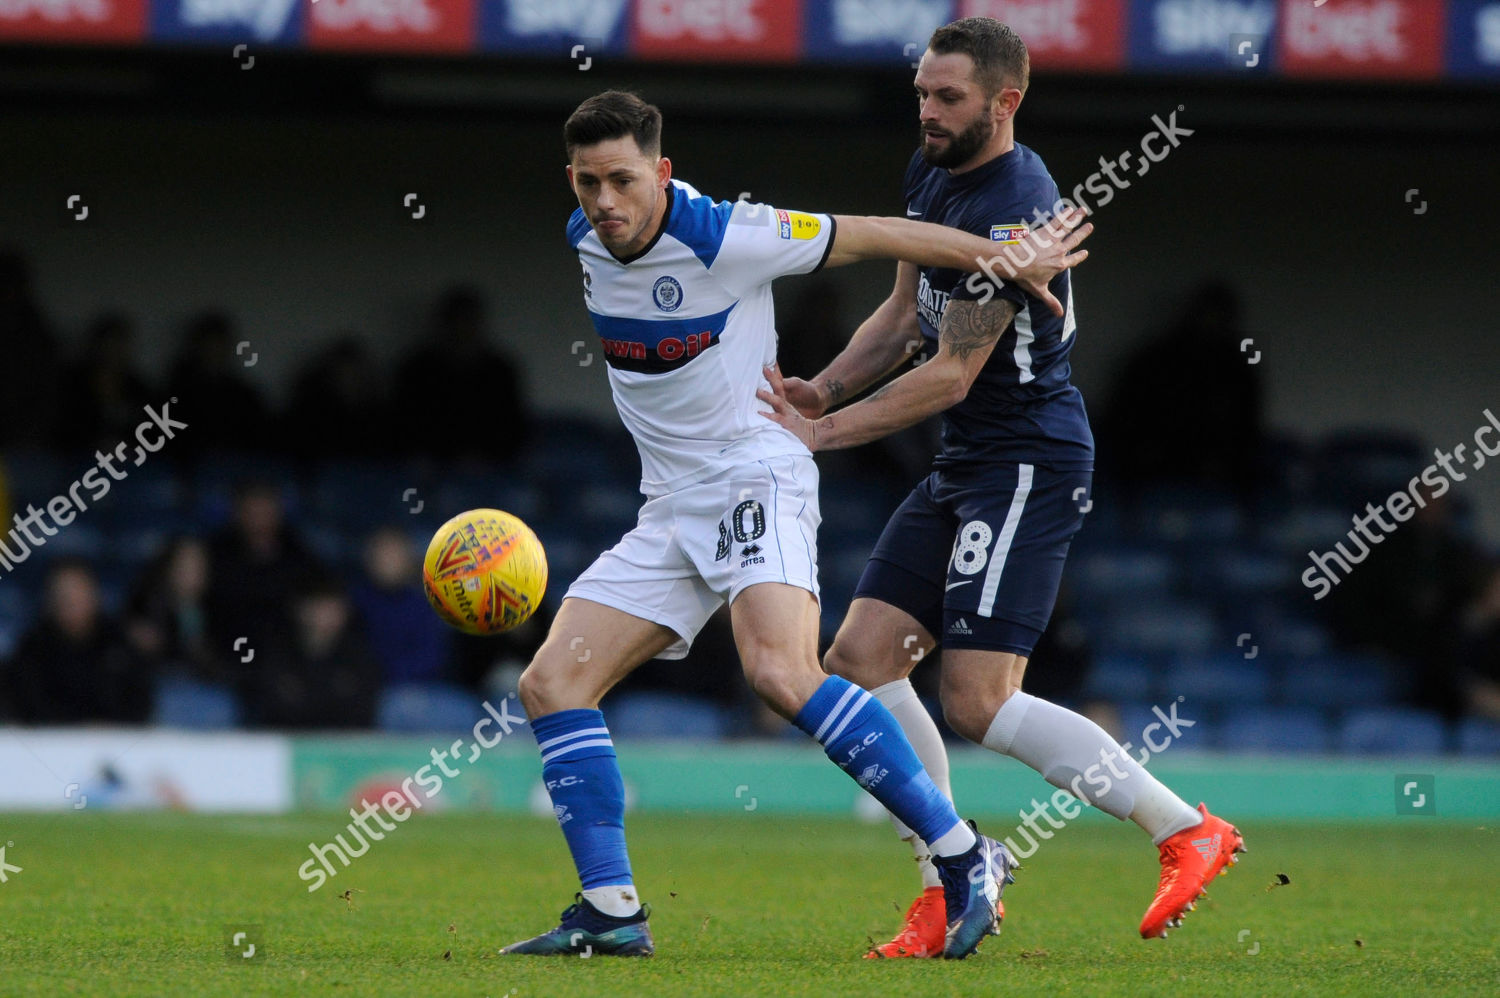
(687, 324)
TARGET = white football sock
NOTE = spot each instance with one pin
(921, 730)
(1074, 753)
(619, 900)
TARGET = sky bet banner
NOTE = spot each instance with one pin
(1339, 39)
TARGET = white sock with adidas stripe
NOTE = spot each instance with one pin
(1074, 753)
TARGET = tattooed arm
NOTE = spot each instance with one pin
(968, 333)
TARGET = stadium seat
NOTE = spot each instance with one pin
(1339, 681)
(1391, 731)
(1307, 528)
(1220, 679)
(419, 708)
(1157, 626)
(665, 716)
(1479, 736)
(1120, 677)
(1189, 515)
(1108, 573)
(1277, 730)
(1362, 466)
(188, 703)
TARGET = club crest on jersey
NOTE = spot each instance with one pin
(797, 224)
(1008, 235)
(667, 293)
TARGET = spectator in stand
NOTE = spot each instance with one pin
(1186, 407)
(28, 405)
(107, 394)
(74, 666)
(409, 639)
(336, 407)
(457, 379)
(255, 564)
(1481, 651)
(320, 674)
(1409, 598)
(223, 410)
(168, 621)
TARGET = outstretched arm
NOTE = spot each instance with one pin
(1031, 263)
(969, 332)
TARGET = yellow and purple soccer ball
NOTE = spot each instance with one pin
(485, 571)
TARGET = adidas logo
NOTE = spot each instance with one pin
(1208, 848)
(960, 626)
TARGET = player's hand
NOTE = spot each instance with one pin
(783, 412)
(1046, 252)
(809, 398)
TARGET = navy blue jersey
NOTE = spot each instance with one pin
(1021, 407)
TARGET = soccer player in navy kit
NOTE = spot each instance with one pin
(972, 559)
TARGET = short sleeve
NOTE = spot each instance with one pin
(762, 243)
(1004, 225)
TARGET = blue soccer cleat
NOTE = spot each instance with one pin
(972, 885)
(587, 931)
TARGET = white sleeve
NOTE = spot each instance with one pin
(762, 243)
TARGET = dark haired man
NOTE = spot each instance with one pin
(971, 561)
(679, 289)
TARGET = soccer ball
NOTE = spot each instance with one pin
(485, 571)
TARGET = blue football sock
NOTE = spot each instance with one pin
(865, 741)
(588, 795)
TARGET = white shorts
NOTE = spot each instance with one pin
(694, 549)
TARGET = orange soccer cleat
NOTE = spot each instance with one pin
(925, 930)
(923, 934)
(1189, 860)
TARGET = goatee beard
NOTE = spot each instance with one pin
(961, 147)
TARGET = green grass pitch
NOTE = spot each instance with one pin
(743, 905)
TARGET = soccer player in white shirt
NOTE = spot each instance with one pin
(678, 288)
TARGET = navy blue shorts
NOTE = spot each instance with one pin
(977, 558)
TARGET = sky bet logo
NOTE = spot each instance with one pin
(266, 19)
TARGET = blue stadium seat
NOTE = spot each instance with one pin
(1220, 679)
(1339, 681)
(1307, 528)
(1108, 572)
(664, 715)
(1157, 626)
(187, 703)
(1120, 677)
(363, 495)
(1479, 736)
(1274, 729)
(1185, 514)
(1364, 465)
(1392, 731)
(1237, 573)
(415, 708)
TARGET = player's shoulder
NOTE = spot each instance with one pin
(578, 227)
(1021, 188)
(698, 221)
